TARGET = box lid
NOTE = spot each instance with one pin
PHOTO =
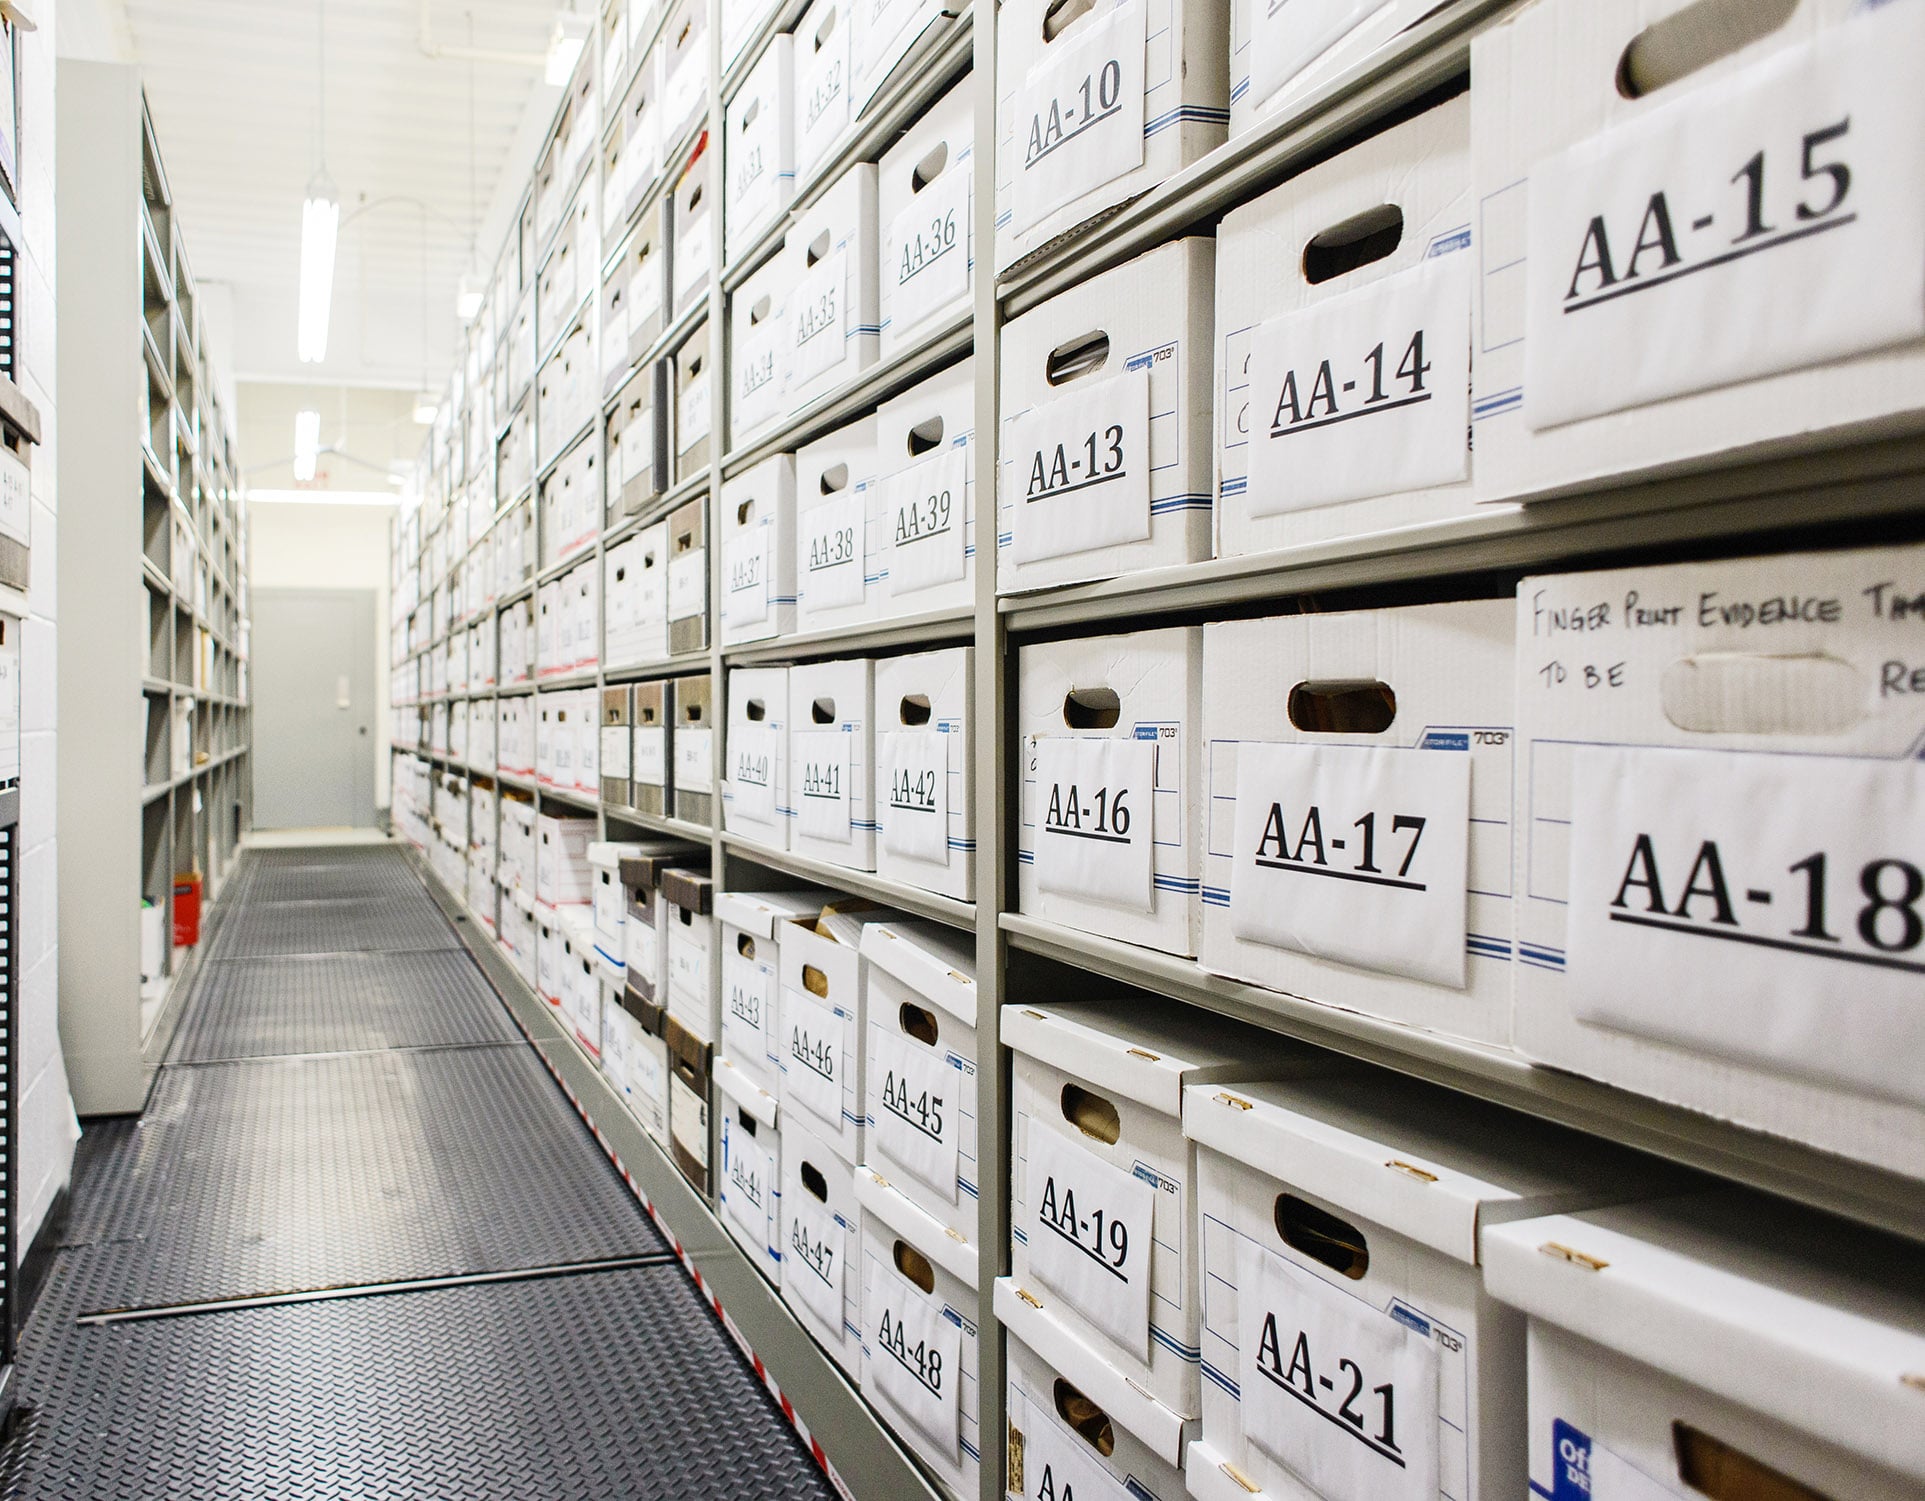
(1025, 1315)
(577, 925)
(878, 1196)
(1146, 1052)
(746, 1093)
(1811, 1321)
(1420, 1161)
(608, 855)
(645, 871)
(757, 912)
(936, 962)
(691, 890)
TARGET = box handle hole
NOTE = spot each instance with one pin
(815, 982)
(925, 436)
(1091, 1423)
(817, 1185)
(834, 478)
(1342, 708)
(929, 168)
(823, 711)
(1092, 708)
(1713, 1467)
(1091, 1114)
(1694, 38)
(1322, 1237)
(1367, 237)
(915, 1266)
(1074, 358)
(914, 709)
(918, 1022)
(757, 710)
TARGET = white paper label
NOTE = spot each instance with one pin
(812, 1269)
(694, 760)
(1079, 113)
(642, 952)
(1058, 1464)
(1364, 394)
(688, 960)
(822, 768)
(688, 584)
(648, 1077)
(758, 387)
(748, 1001)
(1356, 854)
(693, 413)
(914, 765)
(1765, 908)
(1340, 1393)
(749, 1179)
(1095, 819)
(691, 263)
(916, 1105)
(638, 446)
(13, 498)
(924, 505)
(754, 754)
(683, 90)
(1286, 36)
(1090, 1235)
(925, 257)
(615, 752)
(651, 757)
(751, 180)
(821, 91)
(1079, 468)
(688, 1119)
(745, 577)
(1791, 184)
(813, 1059)
(644, 294)
(1611, 1477)
(916, 1357)
(830, 549)
(818, 313)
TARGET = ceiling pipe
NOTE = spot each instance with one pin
(431, 48)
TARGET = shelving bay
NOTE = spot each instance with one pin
(1863, 490)
(154, 765)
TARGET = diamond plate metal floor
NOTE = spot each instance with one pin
(364, 1113)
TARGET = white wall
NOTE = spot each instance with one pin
(47, 1126)
(319, 545)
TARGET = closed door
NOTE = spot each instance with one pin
(314, 708)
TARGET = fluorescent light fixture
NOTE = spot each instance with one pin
(320, 226)
(468, 300)
(424, 410)
(307, 445)
(565, 45)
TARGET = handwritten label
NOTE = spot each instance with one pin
(1095, 819)
(755, 757)
(924, 505)
(748, 1180)
(1079, 113)
(1343, 1395)
(1357, 854)
(914, 767)
(1059, 1465)
(693, 413)
(812, 1060)
(745, 577)
(1790, 185)
(925, 254)
(818, 318)
(821, 89)
(748, 1009)
(1089, 1225)
(915, 1357)
(616, 759)
(822, 762)
(813, 1265)
(651, 756)
(688, 584)
(916, 1107)
(830, 549)
(1794, 941)
(1363, 394)
(694, 760)
(1078, 468)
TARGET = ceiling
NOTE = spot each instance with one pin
(234, 88)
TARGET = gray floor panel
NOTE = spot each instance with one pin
(604, 1385)
(370, 1115)
(288, 1174)
(260, 1008)
(335, 925)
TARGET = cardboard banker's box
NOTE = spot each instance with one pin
(1721, 802)
(1357, 787)
(1693, 253)
(1343, 343)
(1719, 1345)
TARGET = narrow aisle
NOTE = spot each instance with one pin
(347, 1112)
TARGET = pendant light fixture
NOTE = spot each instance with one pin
(320, 227)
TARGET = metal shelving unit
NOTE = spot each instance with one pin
(1868, 490)
(153, 755)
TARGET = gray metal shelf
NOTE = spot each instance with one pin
(932, 628)
(1770, 1163)
(911, 899)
